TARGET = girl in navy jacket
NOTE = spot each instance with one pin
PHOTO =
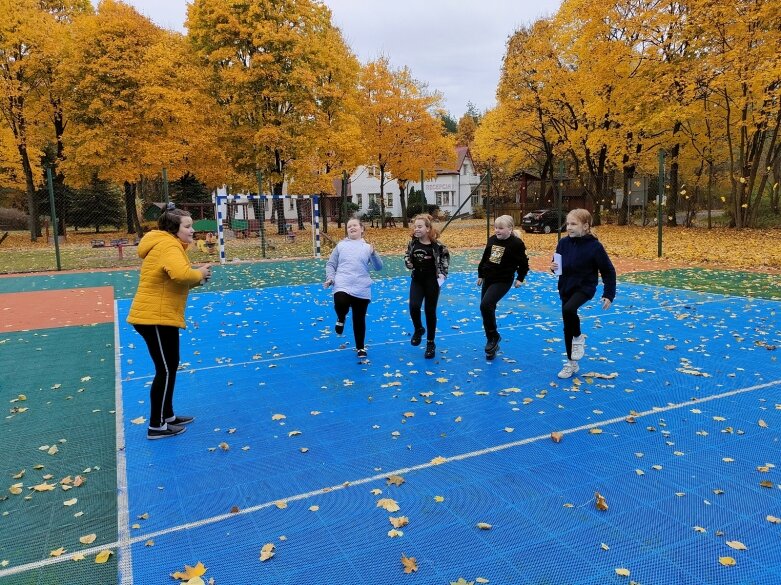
(583, 259)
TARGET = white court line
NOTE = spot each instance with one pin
(124, 554)
(381, 476)
(441, 335)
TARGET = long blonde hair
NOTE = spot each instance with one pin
(433, 234)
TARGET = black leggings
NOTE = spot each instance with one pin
(569, 312)
(343, 302)
(490, 296)
(163, 344)
(419, 290)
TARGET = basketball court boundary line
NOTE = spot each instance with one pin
(378, 477)
(405, 341)
(124, 552)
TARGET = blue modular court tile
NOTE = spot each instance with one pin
(269, 489)
(694, 510)
(653, 530)
(700, 557)
(649, 569)
(197, 504)
(550, 514)
(759, 536)
(154, 559)
(548, 561)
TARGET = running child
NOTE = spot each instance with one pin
(347, 270)
(504, 257)
(583, 259)
(429, 259)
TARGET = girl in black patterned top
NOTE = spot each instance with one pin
(429, 259)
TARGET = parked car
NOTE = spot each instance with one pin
(543, 221)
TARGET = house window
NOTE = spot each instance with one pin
(374, 198)
(389, 200)
(373, 171)
(444, 198)
(359, 200)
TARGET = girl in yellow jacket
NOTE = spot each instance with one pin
(157, 312)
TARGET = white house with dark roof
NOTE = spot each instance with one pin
(449, 189)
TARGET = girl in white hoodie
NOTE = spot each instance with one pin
(347, 270)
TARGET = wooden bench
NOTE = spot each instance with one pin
(118, 243)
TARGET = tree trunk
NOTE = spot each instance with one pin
(623, 211)
(403, 202)
(278, 206)
(131, 213)
(382, 195)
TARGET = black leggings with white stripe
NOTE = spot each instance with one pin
(163, 344)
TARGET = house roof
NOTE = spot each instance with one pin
(461, 153)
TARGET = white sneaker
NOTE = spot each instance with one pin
(570, 368)
(578, 347)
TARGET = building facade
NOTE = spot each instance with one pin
(450, 190)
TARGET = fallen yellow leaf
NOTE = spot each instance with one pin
(556, 437)
(409, 563)
(267, 551)
(484, 526)
(622, 572)
(728, 561)
(88, 539)
(57, 552)
(388, 505)
(601, 504)
(736, 544)
(190, 572)
(103, 556)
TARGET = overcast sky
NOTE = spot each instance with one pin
(454, 46)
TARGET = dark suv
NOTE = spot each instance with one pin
(543, 221)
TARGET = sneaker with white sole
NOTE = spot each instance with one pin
(180, 420)
(362, 353)
(339, 327)
(169, 430)
(578, 347)
(570, 369)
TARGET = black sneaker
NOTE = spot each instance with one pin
(181, 420)
(339, 327)
(417, 336)
(169, 431)
(362, 353)
(492, 342)
(430, 350)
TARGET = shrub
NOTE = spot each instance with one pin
(13, 219)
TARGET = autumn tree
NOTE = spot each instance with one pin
(276, 68)
(105, 137)
(25, 33)
(401, 129)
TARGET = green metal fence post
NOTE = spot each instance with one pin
(54, 217)
(560, 198)
(660, 191)
(487, 203)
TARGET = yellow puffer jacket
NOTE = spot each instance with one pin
(166, 279)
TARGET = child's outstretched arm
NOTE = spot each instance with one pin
(608, 273)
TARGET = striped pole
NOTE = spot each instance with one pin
(220, 203)
(316, 225)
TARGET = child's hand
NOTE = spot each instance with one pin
(328, 283)
(606, 304)
(517, 283)
(554, 266)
